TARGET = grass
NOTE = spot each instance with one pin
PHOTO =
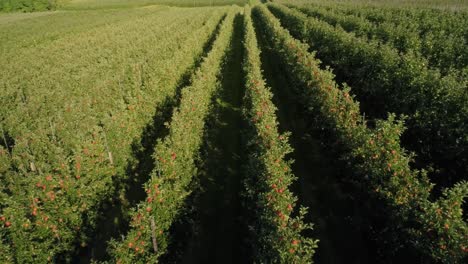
(16, 17)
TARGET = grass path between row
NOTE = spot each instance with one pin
(217, 237)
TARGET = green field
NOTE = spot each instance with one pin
(93, 4)
(233, 131)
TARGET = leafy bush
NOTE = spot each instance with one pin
(176, 157)
(397, 195)
(27, 5)
(68, 161)
(276, 234)
(386, 81)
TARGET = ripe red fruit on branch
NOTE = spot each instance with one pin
(295, 242)
(7, 224)
(148, 209)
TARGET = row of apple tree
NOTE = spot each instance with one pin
(401, 214)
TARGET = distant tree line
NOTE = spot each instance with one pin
(27, 5)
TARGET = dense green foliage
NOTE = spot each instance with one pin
(176, 158)
(398, 195)
(27, 5)
(386, 81)
(54, 195)
(146, 131)
(444, 50)
(276, 233)
(446, 5)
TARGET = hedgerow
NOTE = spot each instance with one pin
(388, 82)
(27, 5)
(61, 171)
(175, 156)
(398, 195)
(276, 233)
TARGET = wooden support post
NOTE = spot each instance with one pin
(52, 129)
(5, 140)
(153, 235)
(109, 153)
